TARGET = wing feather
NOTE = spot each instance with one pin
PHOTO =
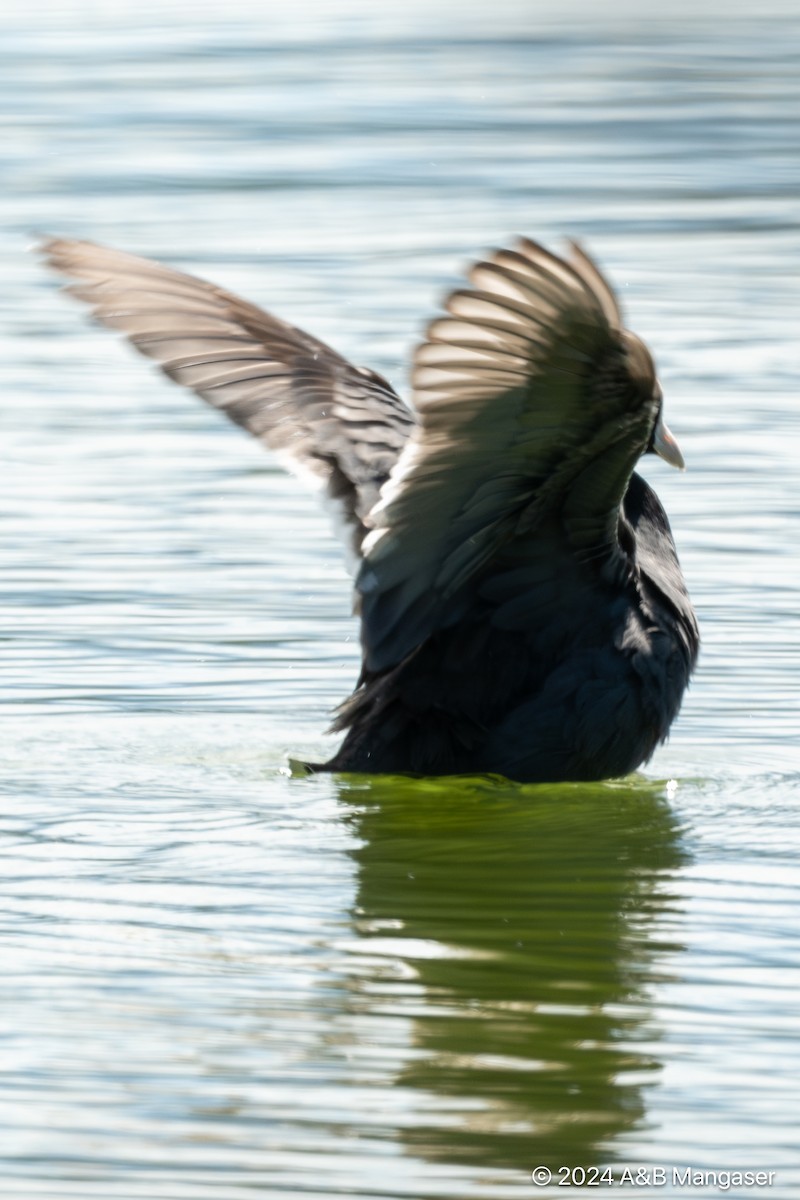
(530, 410)
(340, 426)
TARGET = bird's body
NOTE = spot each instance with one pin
(523, 611)
(546, 671)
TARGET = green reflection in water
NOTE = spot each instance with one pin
(524, 925)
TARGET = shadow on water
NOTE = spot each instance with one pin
(519, 928)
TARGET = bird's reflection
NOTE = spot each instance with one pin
(519, 930)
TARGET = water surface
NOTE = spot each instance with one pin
(220, 981)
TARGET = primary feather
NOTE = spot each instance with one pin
(339, 426)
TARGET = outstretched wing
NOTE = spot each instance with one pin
(341, 426)
(534, 404)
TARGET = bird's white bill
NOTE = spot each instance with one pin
(666, 447)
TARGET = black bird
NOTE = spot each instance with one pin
(522, 607)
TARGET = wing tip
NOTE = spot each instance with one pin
(61, 254)
(588, 270)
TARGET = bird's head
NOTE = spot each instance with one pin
(643, 373)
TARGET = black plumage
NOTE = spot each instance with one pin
(522, 606)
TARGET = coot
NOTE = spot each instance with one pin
(522, 607)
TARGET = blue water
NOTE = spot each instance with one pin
(220, 981)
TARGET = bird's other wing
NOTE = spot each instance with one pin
(339, 426)
(533, 403)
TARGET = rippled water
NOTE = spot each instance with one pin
(219, 981)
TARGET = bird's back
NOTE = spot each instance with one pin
(546, 667)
